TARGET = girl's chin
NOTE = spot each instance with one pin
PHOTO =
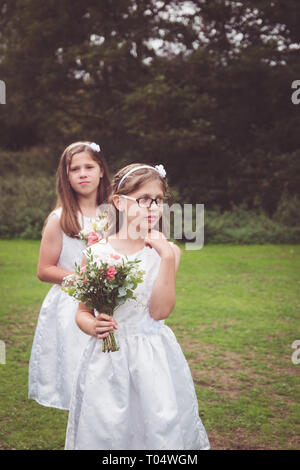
(86, 189)
(145, 225)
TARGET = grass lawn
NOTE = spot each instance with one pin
(236, 317)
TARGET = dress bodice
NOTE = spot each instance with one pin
(133, 317)
(72, 248)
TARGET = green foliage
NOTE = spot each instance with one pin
(27, 195)
(213, 103)
(36, 161)
(247, 226)
(244, 226)
(25, 202)
(288, 210)
(27, 192)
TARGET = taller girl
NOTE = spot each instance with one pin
(83, 184)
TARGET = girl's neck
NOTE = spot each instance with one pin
(88, 205)
(123, 238)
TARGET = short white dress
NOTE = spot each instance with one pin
(141, 397)
(58, 341)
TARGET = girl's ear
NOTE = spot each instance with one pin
(101, 172)
(117, 200)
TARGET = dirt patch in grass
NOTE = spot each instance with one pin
(231, 374)
(221, 377)
(240, 440)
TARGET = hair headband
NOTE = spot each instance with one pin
(159, 168)
(93, 145)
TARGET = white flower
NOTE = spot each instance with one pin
(161, 170)
(90, 228)
(106, 258)
(69, 278)
(95, 147)
(100, 225)
(86, 231)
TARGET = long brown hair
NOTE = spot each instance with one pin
(130, 184)
(66, 196)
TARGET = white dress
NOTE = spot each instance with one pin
(58, 341)
(141, 397)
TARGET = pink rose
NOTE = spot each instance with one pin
(93, 238)
(115, 256)
(110, 274)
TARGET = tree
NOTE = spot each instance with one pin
(201, 86)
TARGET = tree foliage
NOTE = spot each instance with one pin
(201, 86)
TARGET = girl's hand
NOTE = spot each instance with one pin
(157, 240)
(103, 325)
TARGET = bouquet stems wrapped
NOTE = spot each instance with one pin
(109, 343)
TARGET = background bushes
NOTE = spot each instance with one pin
(25, 202)
(248, 226)
(27, 195)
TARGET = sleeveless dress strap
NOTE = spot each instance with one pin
(57, 212)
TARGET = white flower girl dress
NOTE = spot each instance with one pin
(142, 396)
(58, 342)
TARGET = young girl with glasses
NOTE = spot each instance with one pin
(141, 397)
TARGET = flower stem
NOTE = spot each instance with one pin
(109, 343)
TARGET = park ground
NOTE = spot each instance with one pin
(236, 317)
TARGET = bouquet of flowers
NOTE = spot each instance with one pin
(95, 231)
(103, 284)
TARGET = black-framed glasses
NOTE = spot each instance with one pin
(146, 202)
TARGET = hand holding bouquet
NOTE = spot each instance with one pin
(103, 284)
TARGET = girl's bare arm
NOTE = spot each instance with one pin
(163, 296)
(51, 246)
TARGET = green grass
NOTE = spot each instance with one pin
(236, 316)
